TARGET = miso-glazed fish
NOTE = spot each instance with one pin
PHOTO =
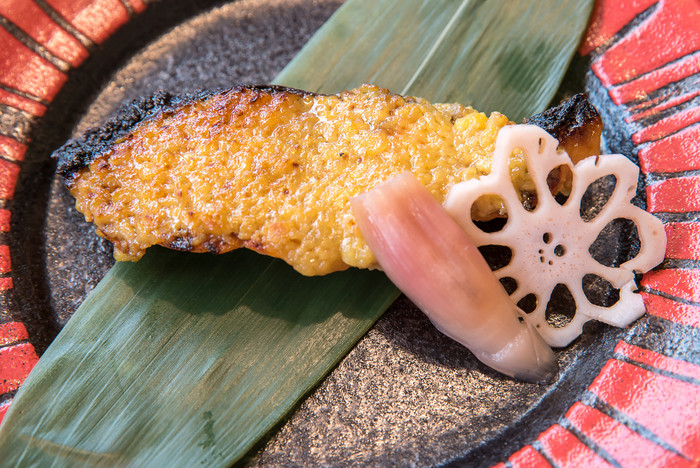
(273, 169)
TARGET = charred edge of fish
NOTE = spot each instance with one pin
(184, 244)
(570, 117)
(566, 119)
(80, 152)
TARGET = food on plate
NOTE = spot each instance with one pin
(575, 124)
(273, 169)
(550, 244)
(430, 251)
(432, 260)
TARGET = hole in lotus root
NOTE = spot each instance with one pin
(494, 225)
(596, 197)
(561, 198)
(529, 200)
(599, 291)
(561, 307)
(489, 213)
(559, 183)
(528, 303)
(617, 243)
(497, 256)
(509, 284)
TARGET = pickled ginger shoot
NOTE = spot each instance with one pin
(433, 261)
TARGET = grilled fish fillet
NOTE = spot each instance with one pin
(272, 169)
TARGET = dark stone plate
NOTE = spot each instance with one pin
(405, 395)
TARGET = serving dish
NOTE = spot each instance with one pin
(404, 393)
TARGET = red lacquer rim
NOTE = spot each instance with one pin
(40, 41)
(643, 408)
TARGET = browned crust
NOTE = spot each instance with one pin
(78, 153)
(575, 123)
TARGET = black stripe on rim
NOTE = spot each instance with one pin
(8, 396)
(679, 263)
(656, 370)
(537, 445)
(666, 135)
(7, 158)
(669, 90)
(624, 31)
(662, 114)
(30, 43)
(592, 400)
(588, 442)
(128, 7)
(673, 340)
(14, 343)
(685, 217)
(665, 295)
(65, 24)
(24, 94)
(15, 123)
(656, 177)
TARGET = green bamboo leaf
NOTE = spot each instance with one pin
(191, 359)
(496, 55)
(179, 348)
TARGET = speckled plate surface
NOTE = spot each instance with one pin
(405, 395)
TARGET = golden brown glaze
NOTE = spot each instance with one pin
(273, 170)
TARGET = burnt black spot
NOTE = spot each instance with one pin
(214, 246)
(181, 243)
